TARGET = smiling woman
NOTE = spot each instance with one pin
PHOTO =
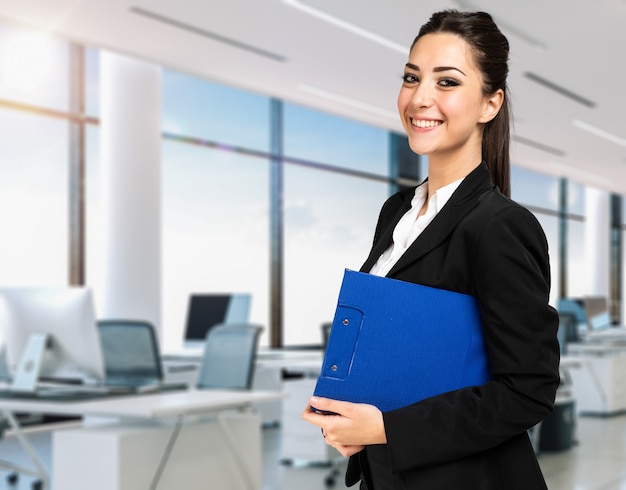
(458, 231)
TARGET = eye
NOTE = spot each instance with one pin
(448, 83)
(410, 78)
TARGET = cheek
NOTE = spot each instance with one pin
(404, 98)
(460, 108)
(402, 101)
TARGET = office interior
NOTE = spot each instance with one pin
(155, 150)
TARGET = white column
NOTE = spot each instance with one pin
(130, 147)
(597, 242)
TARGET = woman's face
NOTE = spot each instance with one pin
(441, 101)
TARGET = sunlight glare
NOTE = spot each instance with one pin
(26, 61)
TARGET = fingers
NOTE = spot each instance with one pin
(328, 405)
(313, 417)
(347, 451)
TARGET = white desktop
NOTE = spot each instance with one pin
(51, 335)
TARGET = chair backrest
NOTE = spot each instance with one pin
(568, 331)
(4, 368)
(325, 334)
(229, 357)
(130, 349)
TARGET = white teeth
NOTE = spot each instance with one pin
(424, 124)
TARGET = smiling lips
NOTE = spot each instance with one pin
(422, 123)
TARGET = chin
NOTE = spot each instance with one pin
(419, 149)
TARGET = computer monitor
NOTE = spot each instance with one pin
(205, 310)
(575, 307)
(597, 309)
(51, 335)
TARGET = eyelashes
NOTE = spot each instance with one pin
(411, 78)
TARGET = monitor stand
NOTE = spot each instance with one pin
(27, 373)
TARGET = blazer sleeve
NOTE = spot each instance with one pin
(509, 267)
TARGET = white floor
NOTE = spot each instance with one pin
(596, 462)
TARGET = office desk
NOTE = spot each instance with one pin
(301, 442)
(600, 387)
(183, 366)
(151, 424)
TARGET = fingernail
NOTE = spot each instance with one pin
(313, 400)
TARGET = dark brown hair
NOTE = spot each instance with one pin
(491, 54)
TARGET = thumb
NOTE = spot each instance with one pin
(329, 406)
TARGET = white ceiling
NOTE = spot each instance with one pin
(350, 64)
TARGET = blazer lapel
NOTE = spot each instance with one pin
(462, 201)
(386, 236)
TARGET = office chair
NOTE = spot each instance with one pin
(130, 346)
(325, 334)
(567, 333)
(228, 363)
(229, 357)
(568, 330)
(335, 465)
(14, 470)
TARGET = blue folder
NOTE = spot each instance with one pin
(393, 343)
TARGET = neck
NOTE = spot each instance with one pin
(442, 172)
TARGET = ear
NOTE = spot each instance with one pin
(491, 106)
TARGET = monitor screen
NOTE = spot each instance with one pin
(206, 310)
(65, 315)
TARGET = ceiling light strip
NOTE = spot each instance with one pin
(347, 26)
(539, 146)
(211, 35)
(602, 133)
(342, 99)
(584, 175)
(505, 26)
(560, 90)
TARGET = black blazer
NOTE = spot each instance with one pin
(481, 243)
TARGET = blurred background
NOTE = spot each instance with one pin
(278, 141)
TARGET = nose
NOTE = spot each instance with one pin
(422, 96)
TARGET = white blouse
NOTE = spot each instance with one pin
(411, 226)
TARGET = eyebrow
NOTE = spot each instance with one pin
(436, 69)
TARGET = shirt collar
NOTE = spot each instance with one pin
(440, 198)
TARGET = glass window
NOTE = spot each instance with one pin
(536, 190)
(93, 221)
(329, 226)
(577, 281)
(622, 305)
(550, 225)
(92, 82)
(575, 198)
(575, 240)
(624, 210)
(198, 108)
(34, 194)
(34, 68)
(215, 231)
(323, 138)
(532, 188)
(423, 172)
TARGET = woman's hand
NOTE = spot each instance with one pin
(354, 425)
